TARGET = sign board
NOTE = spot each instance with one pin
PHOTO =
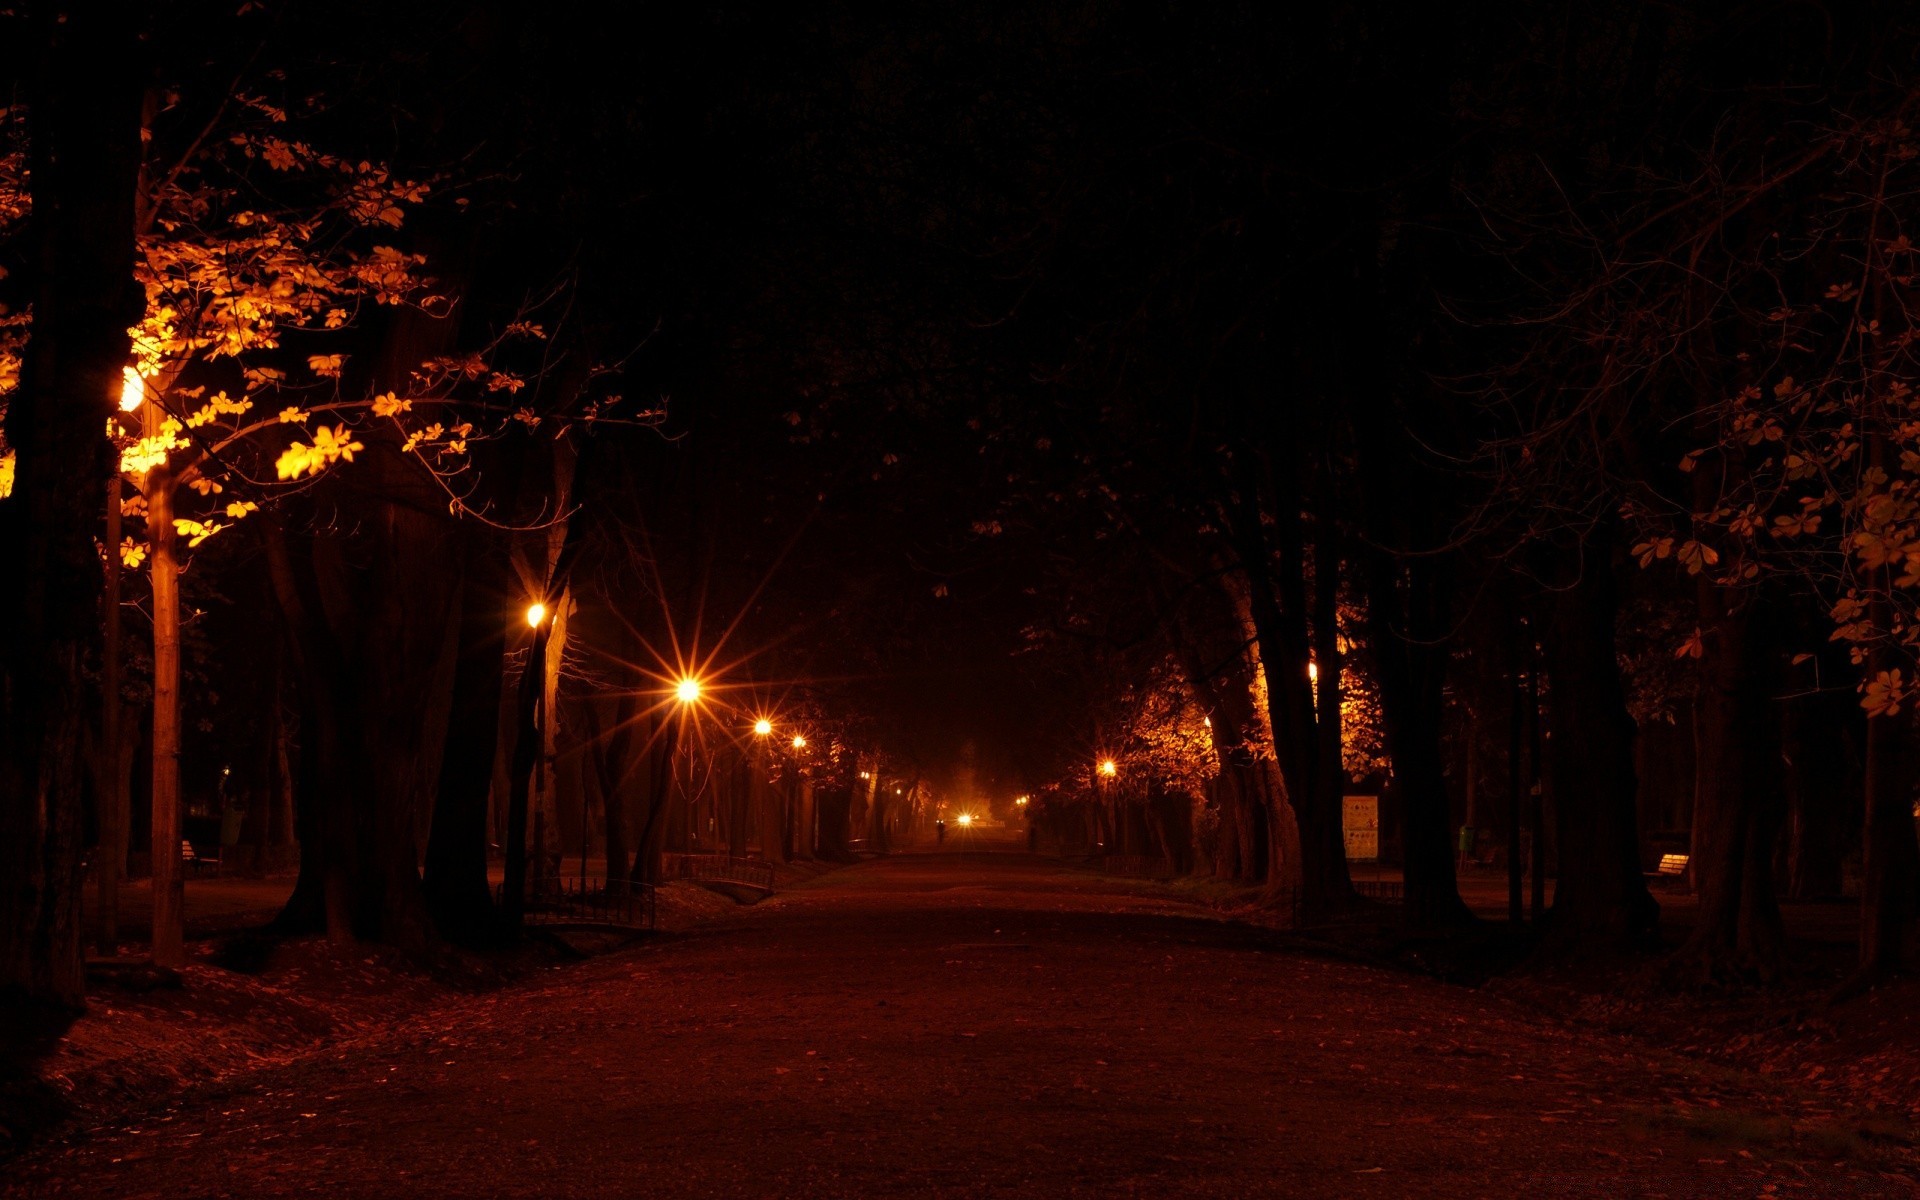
(1360, 821)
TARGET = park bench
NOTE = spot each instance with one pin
(196, 862)
(1672, 868)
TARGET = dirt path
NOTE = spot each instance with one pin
(973, 1025)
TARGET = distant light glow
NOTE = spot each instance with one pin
(133, 390)
(965, 818)
(1109, 768)
(536, 613)
(687, 690)
(799, 743)
(1020, 800)
(1313, 672)
(763, 727)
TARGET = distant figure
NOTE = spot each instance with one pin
(939, 832)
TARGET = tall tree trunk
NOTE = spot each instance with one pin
(85, 100)
(769, 814)
(1738, 931)
(1278, 610)
(1890, 868)
(455, 879)
(1407, 613)
(663, 745)
(1812, 737)
(1601, 891)
(835, 807)
(611, 762)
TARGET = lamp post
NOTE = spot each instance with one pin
(771, 832)
(113, 808)
(686, 693)
(1106, 772)
(526, 754)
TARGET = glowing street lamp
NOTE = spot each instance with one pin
(763, 727)
(799, 743)
(536, 613)
(133, 390)
(687, 690)
(964, 819)
(1020, 800)
(1109, 768)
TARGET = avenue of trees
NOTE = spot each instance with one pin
(1513, 414)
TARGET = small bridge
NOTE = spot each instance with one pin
(752, 873)
(574, 902)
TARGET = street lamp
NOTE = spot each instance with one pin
(799, 743)
(763, 727)
(687, 690)
(1109, 768)
(133, 390)
(536, 613)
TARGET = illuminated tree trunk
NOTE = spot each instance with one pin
(85, 99)
(169, 882)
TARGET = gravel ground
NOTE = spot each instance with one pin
(977, 1025)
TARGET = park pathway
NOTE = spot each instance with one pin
(966, 1024)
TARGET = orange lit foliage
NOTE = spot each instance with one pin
(1166, 738)
(254, 247)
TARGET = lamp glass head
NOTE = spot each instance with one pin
(133, 392)
(536, 613)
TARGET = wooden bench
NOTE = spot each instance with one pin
(1672, 867)
(197, 863)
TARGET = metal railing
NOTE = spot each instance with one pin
(1139, 866)
(1386, 891)
(572, 900)
(718, 868)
